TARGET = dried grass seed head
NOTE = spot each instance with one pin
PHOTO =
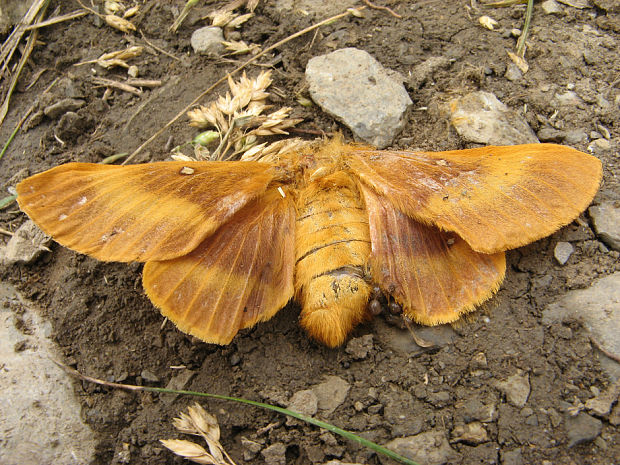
(190, 451)
(119, 23)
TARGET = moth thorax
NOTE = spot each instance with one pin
(332, 250)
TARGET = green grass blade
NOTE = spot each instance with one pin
(313, 421)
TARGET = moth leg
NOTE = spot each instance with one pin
(419, 340)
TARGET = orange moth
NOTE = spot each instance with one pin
(227, 244)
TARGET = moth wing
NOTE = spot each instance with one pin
(434, 275)
(496, 198)
(154, 211)
(240, 275)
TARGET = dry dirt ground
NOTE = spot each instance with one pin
(107, 328)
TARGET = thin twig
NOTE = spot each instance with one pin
(10, 45)
(384, 8)
(57, 19)
(6, 232)
(30, 43)
(117, 85)
(232, 73)
(160, 50)
(144, 82)
(526, 29)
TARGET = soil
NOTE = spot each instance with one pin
(107, 328)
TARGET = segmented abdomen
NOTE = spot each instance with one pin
(332, 250)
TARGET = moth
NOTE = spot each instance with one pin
(226, 244)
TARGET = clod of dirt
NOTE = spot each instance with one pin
(606, 221)
(250, 449)
(512, 457)
(208, 41)
(359, 347)
(516, 388)
(424, 71)
(305, 402)
(63, 106)
(26, 245)
(275, 454)
(353, 87)
(471, 433)
(582, 428)
(430, 448)
(475, 410)
(480, 117)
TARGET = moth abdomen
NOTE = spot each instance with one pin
(332, 250)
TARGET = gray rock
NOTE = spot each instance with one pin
(601, 144)
(429, 448)
(601, 405)
(516, 388)
(359, 347)
(207, 41)
(26, 245)
(178, 382)
(149, 376)
(582, 428)
(471, 433)
(563, 251)
(513, 73)
(606, 222)
(304, 402)
(475, 410)
(63, 106)
(331, 393)
(551, 7)
(551, 135)
(575, 136)
(596, 308)
(512, 457)
(353, 87)
(39, 413)
(580, 4)
(250, 449)
(275, 454)
(568, 98)
(480, 117)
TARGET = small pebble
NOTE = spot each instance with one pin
(513, 73)
(551, 7)
(149, 376)
(563, 251)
